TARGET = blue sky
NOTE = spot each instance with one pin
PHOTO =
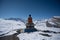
(22, 8)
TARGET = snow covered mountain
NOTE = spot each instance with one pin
(54, 22)
(9, 27)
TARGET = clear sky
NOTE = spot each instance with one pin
(22, 8)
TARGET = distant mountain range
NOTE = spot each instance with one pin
(16, 19)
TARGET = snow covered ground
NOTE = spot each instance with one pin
(44, 33)
(9, 27)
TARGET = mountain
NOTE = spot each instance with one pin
(54, 22)
(16, 19)
(9, 27)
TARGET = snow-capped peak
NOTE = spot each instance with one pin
(56, 17)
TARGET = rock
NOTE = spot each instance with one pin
(45, 34)
(9, 37)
